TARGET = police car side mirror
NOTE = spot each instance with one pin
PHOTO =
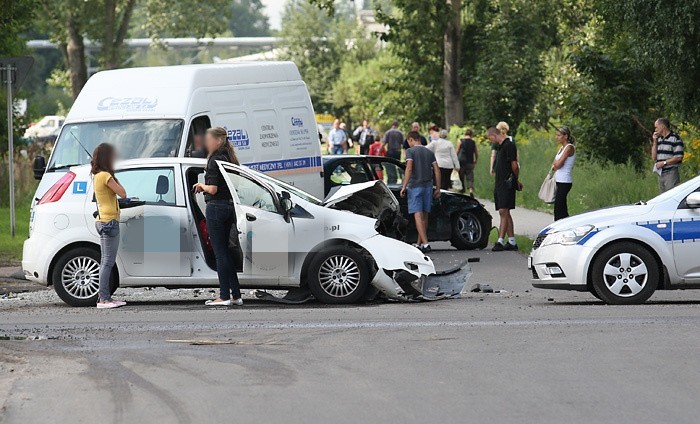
(693, 200)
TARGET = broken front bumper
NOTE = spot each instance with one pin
(405, 285)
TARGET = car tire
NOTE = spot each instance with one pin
(625, 273)
(338, 275)
(469, 232)
(75, 276)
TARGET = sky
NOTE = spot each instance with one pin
(274, 8)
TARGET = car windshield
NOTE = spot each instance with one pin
(674, 192)
(133, 139)
(293, 190)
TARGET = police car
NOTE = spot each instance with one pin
(623, 254)
(286, 237)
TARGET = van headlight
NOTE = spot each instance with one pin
(568, 237)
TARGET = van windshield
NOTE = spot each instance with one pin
(133, 139)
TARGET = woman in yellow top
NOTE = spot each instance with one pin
(107, 188)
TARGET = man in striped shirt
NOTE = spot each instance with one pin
(667, 152)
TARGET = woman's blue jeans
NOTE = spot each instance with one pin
(109, 243)
(221, 217)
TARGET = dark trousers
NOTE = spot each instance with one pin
(391, 175)
(221, 217)
(445, 178)
(364, 149)
(561, 209)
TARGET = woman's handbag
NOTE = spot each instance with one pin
(548, 190)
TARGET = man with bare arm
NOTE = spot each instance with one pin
(507, 170)
(421, 172)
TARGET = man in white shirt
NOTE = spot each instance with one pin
(446, 156)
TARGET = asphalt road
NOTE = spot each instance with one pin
(522, 356)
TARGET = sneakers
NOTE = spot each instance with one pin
(110, 304)
(425, 248)
(227, 302)
(500, 247)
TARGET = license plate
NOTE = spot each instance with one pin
(529, 262)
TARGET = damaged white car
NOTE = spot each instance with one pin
(286, 238)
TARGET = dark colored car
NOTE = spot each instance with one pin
(455, 217)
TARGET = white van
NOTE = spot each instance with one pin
(156, 112)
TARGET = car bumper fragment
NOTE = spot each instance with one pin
(405, 285)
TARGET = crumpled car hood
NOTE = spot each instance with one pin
(372, 199)
(367, 199)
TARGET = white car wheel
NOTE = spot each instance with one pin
(625, 275)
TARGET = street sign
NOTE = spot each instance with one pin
(13, 72)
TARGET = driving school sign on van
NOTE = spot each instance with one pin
(129, 104)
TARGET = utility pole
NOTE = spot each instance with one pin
(14, 70)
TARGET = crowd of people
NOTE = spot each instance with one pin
(431, 161)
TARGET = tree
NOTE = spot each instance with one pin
(320, 44)
(109, 23)
(248, 19)
(662, 37)
(452, 82)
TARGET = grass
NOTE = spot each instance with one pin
(11, 248)
(596, 185)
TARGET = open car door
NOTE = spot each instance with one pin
(267, 237)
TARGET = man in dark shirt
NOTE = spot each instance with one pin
(506, 170)
(467, 153)
(393, 140)
(415, 126)
(421, 171)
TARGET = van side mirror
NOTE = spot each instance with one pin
(693, 200)
(39, 167)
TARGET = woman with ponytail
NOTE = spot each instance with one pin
(563, 166)
(220, 215)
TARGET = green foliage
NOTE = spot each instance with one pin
(592, 178)
(318, 43)
(248, 19)
(15, 18)
(662, 37)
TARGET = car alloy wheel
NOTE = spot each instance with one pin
(81, 277)
(625, 275)
(339, 276)
(469, 227)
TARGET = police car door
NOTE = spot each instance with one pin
(267, 235)
(686, 237)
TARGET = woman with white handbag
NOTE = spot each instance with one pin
(563, 166)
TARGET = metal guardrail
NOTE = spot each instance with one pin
(172, 42)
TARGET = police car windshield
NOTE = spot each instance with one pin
(133, 139)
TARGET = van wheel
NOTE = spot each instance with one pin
(338, 275)
(625, 274)
(468, 231)
(76, 277)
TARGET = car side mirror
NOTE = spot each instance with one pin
(693, 200)
(287, 204)
(39, 167)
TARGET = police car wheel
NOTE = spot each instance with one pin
(625, 273)
(338, 275)
(75, 276)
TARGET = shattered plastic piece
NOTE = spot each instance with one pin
(483, 288)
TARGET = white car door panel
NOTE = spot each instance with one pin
(158, 244)
(266, 236)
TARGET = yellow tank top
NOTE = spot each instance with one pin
(107, 204)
